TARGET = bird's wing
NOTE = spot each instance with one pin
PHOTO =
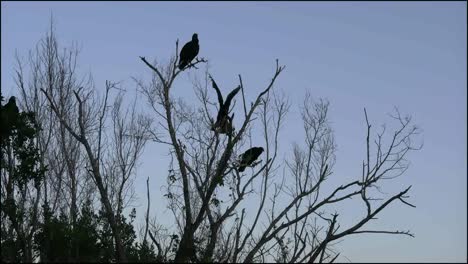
(257, 154)
(218, 92)
(230, 97)
(196, 49)
(192, 50)
(247, 156)
(185, 50)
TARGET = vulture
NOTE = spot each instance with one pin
(9, 115)
(189, 52)
(223, 121)
(11, 107)
(249, 156)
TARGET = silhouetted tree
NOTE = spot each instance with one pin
(208, 196)
(82, 156)
(64, 142)
(21, 178)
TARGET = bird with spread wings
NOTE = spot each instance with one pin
(223, 122)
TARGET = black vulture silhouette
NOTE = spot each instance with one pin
(9, 116)
(223, 121)
(189, 52)
(11, 107)
(224, 125)
(224, 109)
(249, 156)
(218, 92)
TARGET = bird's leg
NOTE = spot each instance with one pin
(255, 163)
(190, 65)
(197, 60)
(236, 164)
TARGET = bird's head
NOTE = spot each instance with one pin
(260, 149)
(12, 100)
(195, 37)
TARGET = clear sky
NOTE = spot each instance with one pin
(356, 54)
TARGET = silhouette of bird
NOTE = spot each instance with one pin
(218, 92)
(249, 156)
(9, 115)
(224, 109)
(189, 51)
(11, 106)
(223, 121)
(224, 125)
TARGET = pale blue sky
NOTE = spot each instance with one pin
(356, 54)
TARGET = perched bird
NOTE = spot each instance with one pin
(224, 125)
(11, 107)
(9, 115)
(224, 109)
(189, 51)
(249, 156)
(223, 121)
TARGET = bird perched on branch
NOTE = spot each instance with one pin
(223, 122)
(189, 51)
(11, 106)
(9, 115)
(249, 156)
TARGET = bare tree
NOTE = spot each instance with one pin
(208, 196)
(67, 183)
(51, 69)
(130, 132)
(110, 175)
(67, 108)
(278, 209)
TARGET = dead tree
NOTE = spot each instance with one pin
(208, 196)
(112, 159)
(76, 108)
(53, 69)
(49, 68)
(130, 132)
(82, 155)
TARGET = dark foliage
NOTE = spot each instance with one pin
(20, 163)
(56, 238)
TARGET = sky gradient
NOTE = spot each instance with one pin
(355, 54)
